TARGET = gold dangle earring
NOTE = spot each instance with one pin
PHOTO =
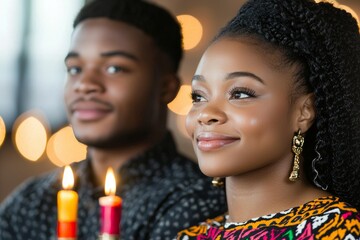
(218, 182)
(297, 144)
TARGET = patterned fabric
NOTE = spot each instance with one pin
(323, 218)
(162, 193)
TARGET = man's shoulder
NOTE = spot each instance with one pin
(30, 191)
(183, 166)
(185, 182)
(183, 175)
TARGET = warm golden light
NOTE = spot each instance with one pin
(352, 12)
(334, 2)
(30, 137)
(64, 149)
(50, 152)
(68, 178)
(110, 182)
(183, 102)
(344, 7)
(192, 30)
(2, 131)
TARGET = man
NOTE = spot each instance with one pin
(122, 71)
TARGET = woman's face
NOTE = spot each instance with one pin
(243, 117)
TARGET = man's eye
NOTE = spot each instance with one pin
(73, 70)
(197, 97)
(114, 69)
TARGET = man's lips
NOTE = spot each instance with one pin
(90, 110)
(213, 141)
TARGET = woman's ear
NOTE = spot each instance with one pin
(170, 87)
(305, 112)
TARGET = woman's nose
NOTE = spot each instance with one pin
(211, 115)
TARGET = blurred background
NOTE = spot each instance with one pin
(35, 34)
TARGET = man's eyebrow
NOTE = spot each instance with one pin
(128, 55)
(71, 55)
(120, 54)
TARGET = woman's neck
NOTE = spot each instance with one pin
(255, 195)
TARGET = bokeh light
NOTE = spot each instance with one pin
(30, 136)
(183, 102)
(50, 152)
(2, 131)
(192, 30)
(64, 149)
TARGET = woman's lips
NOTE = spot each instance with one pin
(209, 141)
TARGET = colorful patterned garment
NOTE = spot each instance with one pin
(323, 218)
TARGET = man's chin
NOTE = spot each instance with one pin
(108, 142)
(95, 142)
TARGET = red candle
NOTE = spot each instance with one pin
(110, 209)
(67, 201)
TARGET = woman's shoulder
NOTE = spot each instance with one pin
(331, 217)
(327, 204)
(202, 229)
(323, 217)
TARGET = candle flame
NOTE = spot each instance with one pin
(68, 178)
(110, 182)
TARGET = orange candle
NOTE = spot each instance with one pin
(67, 201)
(110, 209)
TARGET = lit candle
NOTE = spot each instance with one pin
(67, 207)
(110, 209)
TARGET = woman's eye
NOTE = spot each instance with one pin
(73, 70)
(114, 69)
(197, 97)
(242, 93)
(239, 95)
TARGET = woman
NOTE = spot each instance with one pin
(276, 112)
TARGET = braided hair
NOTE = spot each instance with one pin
(155, 21)
(324, 41)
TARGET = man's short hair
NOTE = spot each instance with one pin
(152, 19)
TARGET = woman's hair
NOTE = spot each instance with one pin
(324, 41)
(155, 21)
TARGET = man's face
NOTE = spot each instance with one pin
(113, 88)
